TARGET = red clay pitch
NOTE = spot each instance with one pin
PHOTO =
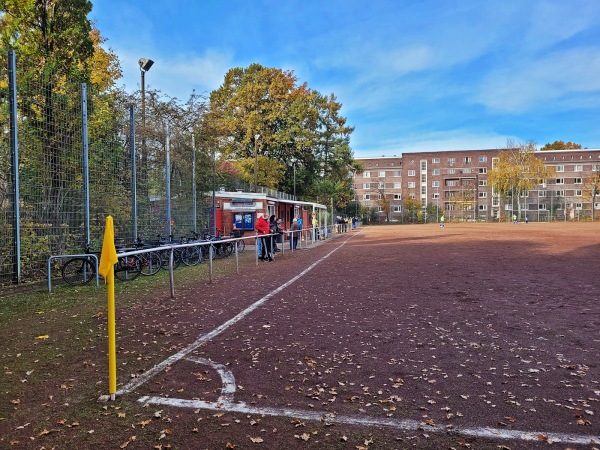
(473, 326)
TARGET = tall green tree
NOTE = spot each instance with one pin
(54, 46)
(267, 122)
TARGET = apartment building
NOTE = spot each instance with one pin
(456, 182)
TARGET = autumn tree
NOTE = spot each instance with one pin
(411, 206)
(516, 171)
(591, 187)
(560, 145)
(264, 120)
(57, 49)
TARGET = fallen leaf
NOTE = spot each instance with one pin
(43, 337)
(256, 440)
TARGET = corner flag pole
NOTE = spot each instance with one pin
(108, 259)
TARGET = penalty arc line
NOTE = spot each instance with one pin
(225, 403)
(142, 379)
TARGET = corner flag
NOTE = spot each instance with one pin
(108, 257)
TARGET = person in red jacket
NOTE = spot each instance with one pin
(262, 229)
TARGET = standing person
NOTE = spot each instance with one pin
(262, 228)
(442, 219)
(295, 228)
(315, 224)
(300, 222)
(514, 218)
(273, 231)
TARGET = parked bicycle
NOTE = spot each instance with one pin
(151, 261)
(80, 270)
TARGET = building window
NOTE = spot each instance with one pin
(578, 168)
(397, 185)
(411, 173)
(367, 174)
(435, 195)
(435, 172)
(379, 209)
(396, 173)
(397, 208)
(366, 196)
(367, 186)
(382, 174)
(423, 165)
(541, 193)
(423, 189)
(560, 181)
(451, 171)
(483, 182)
(467, 159)
(435, 161)
(483, 195)
(578, 181)
(435, 184)
(578, 206)
(482, 207)
(397, 197)
(560, 193)
(380, 185)
(483, 170)
(423, 178)
(467, 170)
(542, 206)
(451, 161)
(411, 184)
(578, 193)
(560, 168)
(451, 183)
(595, 167)
(483, 159)
(596, 205)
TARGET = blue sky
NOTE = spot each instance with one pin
(412, 75)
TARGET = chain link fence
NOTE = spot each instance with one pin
(75, 166)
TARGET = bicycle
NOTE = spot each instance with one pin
(191, 256)
(79, 271)
(165, 255)
(151, 261)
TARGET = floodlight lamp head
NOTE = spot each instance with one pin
(145, 64)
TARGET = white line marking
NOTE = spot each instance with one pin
(402, 424)
(225, 401)
(227, 378)
(137, 382)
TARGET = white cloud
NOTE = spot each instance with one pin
(436, 141)
(556, 21)
(529, 85)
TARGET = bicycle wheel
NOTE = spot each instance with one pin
(191, 256)
(78, 271)
(151, 263)
(128, 268)
(241, 245)
(165, 256)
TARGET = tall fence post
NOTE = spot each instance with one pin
(14, 145)
(134, 225)
(86, 168)
(168, 181)
(194, 212)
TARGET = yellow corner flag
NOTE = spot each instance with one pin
(108, 257)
